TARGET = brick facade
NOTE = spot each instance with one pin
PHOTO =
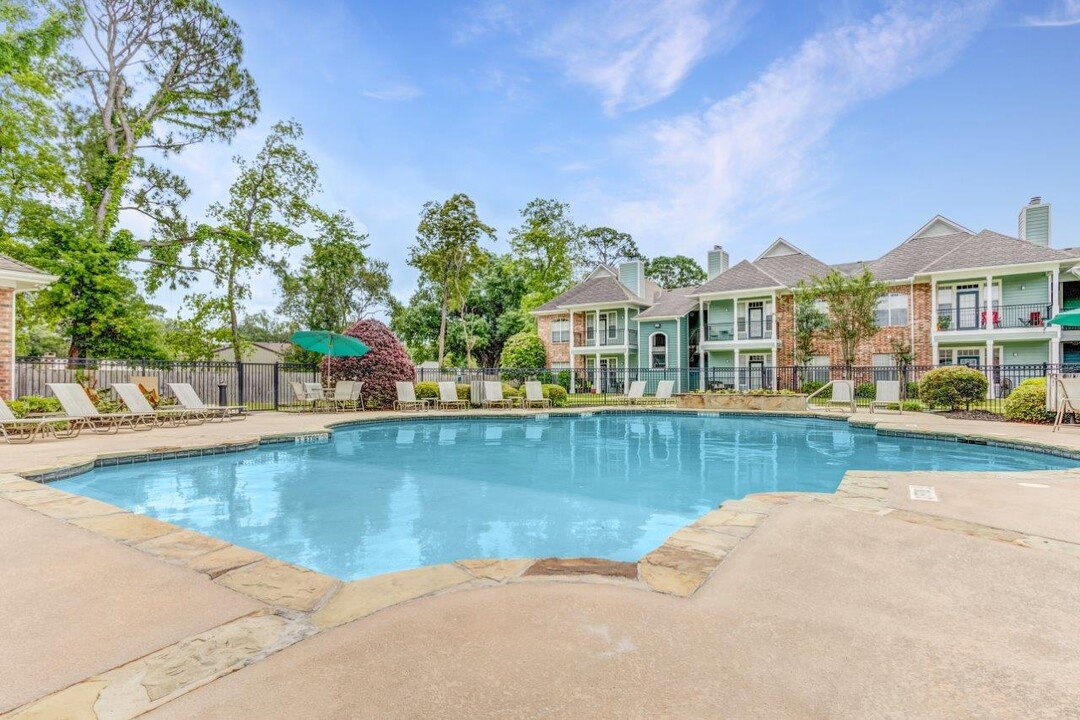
(556, 352)
(920, 318)
(7, 337)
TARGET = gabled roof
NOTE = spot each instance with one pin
(988, 249)
(914, 254)
(744, 276)
(671, 303)
(22, 276)
(939, 225)
(851, 268)
(792, 269)
(598, 288)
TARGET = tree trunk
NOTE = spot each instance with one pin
(444, 309)
(234, 323)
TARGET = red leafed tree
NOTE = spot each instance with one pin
(387, 363)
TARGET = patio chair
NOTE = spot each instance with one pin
(664, 392)
(26, 430)
(636, 394)
(886, 393)
(534, 395)
(76, 404)
(186, 396)
(136, 402)
(1068, 398)
(843, 393)
(493, 395)
(448, 398)
(406, 397)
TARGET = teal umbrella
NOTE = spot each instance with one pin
(330, 344)
(1069, 318)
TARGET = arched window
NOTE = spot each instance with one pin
(658, 350)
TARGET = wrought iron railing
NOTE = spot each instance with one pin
(997, 317)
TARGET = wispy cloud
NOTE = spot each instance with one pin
(637, 52)
(755, 151)
(483, 17)
(394, 92)
(1062, 13)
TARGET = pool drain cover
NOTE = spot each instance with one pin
(923, 492)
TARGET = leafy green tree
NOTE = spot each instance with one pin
(161, 75)
(198, 336)
(852, 300)
(810, 323)
(336, 284)
(523, 351)
(262, 327)
(447, 252)
(268, 205)
(675, 271)
(607, 246)
(549, 244)
(416, 322)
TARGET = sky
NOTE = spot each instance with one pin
(840, 126)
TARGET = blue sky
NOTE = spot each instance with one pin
(840, 126)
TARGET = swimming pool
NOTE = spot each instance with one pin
(383, 497)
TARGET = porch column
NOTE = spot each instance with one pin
(570, 349)
(598, 377)
(626, 339)
(1055, 291)
(738, 371)
(774, 371)
(991, 390)
(989, 304)
(702, 334)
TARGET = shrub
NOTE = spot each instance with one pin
(34, 404)
(866, 391)
(912, 405)
(812, 386)
(523, 351)
(1027, 403)
(912, 390)
(427, 390)
(557, 395)
(952, 387)
(387, 363)
(509, 391)
(562, 378)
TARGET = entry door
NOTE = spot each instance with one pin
(755, 367)
(967, 310)
(755, 320)
(609, 375)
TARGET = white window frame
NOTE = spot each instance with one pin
(560, 331)
(893, 306)
(653, 350)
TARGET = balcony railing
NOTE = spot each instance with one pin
(744, 330)
(610, 338)
(1001, 317)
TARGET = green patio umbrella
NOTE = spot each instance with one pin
(1069, 318)
(330, 344)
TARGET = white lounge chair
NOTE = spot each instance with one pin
(664, 392)
(843, 394)
(136, 402)
(347, 396)
(76, 404)
(26, 430)
(887, 393)
(406, 397)
(534, 395)
(448, 398)
(1068, 398)
(493, 395)
(186, 396)
(636, 393)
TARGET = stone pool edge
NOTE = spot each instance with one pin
(299, 602)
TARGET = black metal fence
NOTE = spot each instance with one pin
(602, 386)
(258, 386)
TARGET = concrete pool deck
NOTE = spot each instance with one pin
(968, 606)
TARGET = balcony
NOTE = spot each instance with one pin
(744, 330)
(1002, 317)
(613, 337)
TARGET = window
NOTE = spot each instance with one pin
(819, 369)
(884, 366)
(892, 310)
(658, 350)
(560, 331)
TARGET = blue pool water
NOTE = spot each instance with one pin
(393, 496)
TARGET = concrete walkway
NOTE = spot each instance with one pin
(862, 604)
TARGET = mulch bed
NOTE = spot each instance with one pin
(973, 415)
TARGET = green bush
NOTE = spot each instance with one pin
(509, 391)
(866, 391)
(557, 395)
(34, 404)
(912, 405)
(812, 386)
(912, 390)
(523, 351)
(952, 387)
(1027, 403)
(427, 390)
(562, 378)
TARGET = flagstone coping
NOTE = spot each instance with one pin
(301, 602)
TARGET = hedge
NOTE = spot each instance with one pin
(1027, 403)
(952, 387)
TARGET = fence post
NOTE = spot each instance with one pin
(240, 382)
(277, 383)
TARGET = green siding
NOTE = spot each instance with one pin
(1025, 353)
(1036, 224)
(1031, 289)
(721, 358)
(676, 345)
(722, 311)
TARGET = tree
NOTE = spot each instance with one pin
(810, 322)
(268, 204)
(549, 245)
(416, 322)
(676, 271)
(262, 327)
(851, 301)
(448, 254)
(196, 337)
(162, 75)
(607, 246)
(387, 362)
(524, 351)
(336, 283)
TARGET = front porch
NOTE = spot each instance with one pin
(1006, 364)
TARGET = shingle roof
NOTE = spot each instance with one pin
(603, 289)
(792, 269)
(851, 268)
(912, 256)
(744, 276)
(672, 303)
(959, 251)
(9, 263)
